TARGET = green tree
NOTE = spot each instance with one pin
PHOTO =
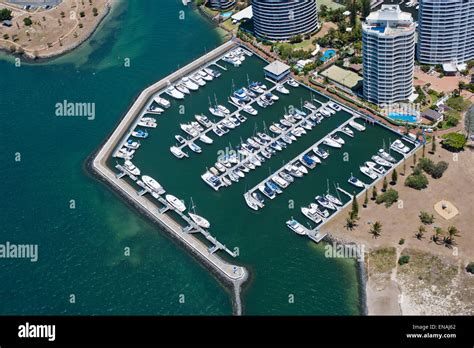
(376, 229)
(385, 184)
(27, 21)
(355, 206)
(365, 6)
(470, 268)
(424, 150)
(366, 199)
(403, 260)
(374, 193)
(394, 177)
(426, 218)
(388, 197)
(5, 14)
(417, 180)
(414, 159)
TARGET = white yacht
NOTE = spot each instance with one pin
(332, 143)
(152, 184)
(376, 168)
(173, 92)
(190, 130)
(251, 202)
(292, 82)
(162, 101)
(381, 161)
(347, 131)
(182, 88)
(223, 109)
(205, 75)
(296, 227)
(334, 106)
(176, 203)
(369, 172)
(205, 139)
(357, 126)
(203, 120)
(177, 152)
(280, 181)
(125, 153)
(311, 214)
(194, 147)
(130, 167)
(356, 182)
(196, 78)
(282, 89)
(337, 139)
(400, 147)
(250, 110)
(190, 84)
(216, 111)
(333, 199)
(386, 156)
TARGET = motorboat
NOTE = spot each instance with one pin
(196, 78)
(223, 109)
(334, 106)
(241, 118)
(155, 109)
(162, 102)
(296, 227)
(313, 157)
(228, 124)
(375, 167)
(273, 186)
(320, 152)
(369, 172)
(173, 92)
(249, 93)
(275, 129)
(386, 156)
(324, 112)
(399, 146)
(287, 177)
(259, 198)
(219, 131)
(213, 73)
(294, 171)
(292, 82)
(272, 96)
(337, 139)
(250, 110)
(190, 130)
(181, 87)
(346, 130)
(280, 181)
(139, 133)
(251, 202)
(152, 184)
(199, 220)
(176, 203)
(286, 139)
(234, 120)
(241, 95)
(301, 167)
(324, 213)
(356, 182)
(177, 152)
(310, 106)
(194, 147)
(264, 137)
(125, 153)
(331, 142)
(205, 139)
(256, 88)
(237, 101)
(262, 102)
(331, 111)
(307, 161)
(333, 199)
(323, 201)
(282, 89)
(205, 75)
(131, 168)
(267, 191)
(202, 119)
(190, 84)
(311, 214)
(380, 161)
(132, 144)
(212, 180)
(357, 126)
(147, 122)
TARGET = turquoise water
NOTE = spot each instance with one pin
(403, 117)
(81, 250)
(328, 55)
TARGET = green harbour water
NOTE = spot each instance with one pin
(81, 250)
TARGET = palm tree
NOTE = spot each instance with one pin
(376, 229)
(350, 223)
(421, 231)
(449, 240)
(437, 236)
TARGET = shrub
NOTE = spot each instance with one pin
(417, 181)
(27, 21)
(454, 141)
(470, 267)
(439, 170)
(389, 197)
(426, 218)
(401, 241)
(403, 260)
(427, 165)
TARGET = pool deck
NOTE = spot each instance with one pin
(225, 270)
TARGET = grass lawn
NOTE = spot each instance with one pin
(330, 4)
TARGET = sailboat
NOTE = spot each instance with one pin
(199, 220)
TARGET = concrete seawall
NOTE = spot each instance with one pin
(229, 273)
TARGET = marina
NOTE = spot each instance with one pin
(253, 143)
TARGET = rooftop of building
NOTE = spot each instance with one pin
(390, 19)
(246, 13)
(277, 68)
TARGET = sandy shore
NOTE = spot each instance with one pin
(53, 32)
(394, 289)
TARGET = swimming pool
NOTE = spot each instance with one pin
(403, 117)
(226, 15)
(328, 55)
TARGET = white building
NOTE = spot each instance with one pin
(445, 31)
(388, 51)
